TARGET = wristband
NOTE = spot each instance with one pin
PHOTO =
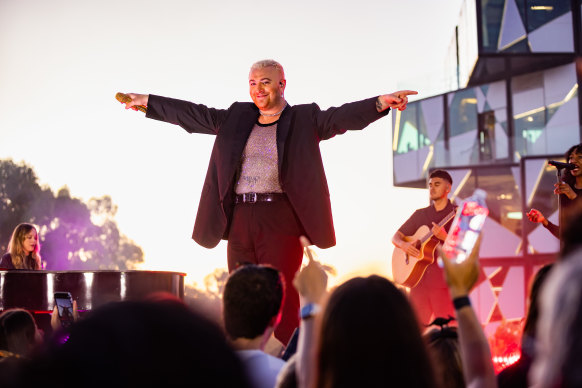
(461, 302)
(309, 310)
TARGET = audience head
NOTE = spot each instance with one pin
(445, 353)
(139, 344)
(18, 332)
(24, 247)
(369, 337)
(558, 336)
(252, 301)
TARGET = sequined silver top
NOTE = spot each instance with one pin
(259, 171)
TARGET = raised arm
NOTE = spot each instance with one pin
(311, 283)
(476, 356)
(535, 215)
(194, 118)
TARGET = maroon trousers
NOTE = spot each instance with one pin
(268, 233)
(430, 298)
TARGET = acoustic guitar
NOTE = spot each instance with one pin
(407, 270)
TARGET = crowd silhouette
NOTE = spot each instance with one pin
(363, 333)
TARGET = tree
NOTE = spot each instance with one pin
(209, 299)
(73, 235)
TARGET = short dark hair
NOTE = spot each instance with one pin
(253, 296)
(441, 174)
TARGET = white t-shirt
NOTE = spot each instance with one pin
(262, 368)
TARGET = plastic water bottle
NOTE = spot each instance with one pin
(466, 227)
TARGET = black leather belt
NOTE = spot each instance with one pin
(259, 197)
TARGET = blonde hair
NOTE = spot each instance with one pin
(16, 249)
(268, 63)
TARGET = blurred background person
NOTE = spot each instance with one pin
(23, 249)
(445, 353)
(558, 347)
(19, 339)
(368, 335)
(19, 334)
(515, 375)
(137, 344)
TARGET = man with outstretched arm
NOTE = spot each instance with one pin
(265, 184)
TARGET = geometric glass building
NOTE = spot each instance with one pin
(513, 105)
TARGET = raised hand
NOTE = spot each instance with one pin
(56, 320)
(311, 281)
(535, 215)
(396, 100)
(564, 188)
(461, 277)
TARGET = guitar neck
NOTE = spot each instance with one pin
(447, 218)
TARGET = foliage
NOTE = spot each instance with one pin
(74, 235)
(209, 299)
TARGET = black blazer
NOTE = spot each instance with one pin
(299, 131)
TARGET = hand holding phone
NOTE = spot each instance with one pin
(66, 310)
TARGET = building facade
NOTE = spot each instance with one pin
(513, 106)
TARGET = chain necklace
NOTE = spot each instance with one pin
(274, 114)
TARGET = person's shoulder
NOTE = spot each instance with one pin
(6, 261)
(425, 209)
(259, 355)
(304, 107)
(243, 105)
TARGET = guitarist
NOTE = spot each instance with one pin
(430, 297)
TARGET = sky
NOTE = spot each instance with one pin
(62, 61)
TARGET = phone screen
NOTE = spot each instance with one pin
(64, 303)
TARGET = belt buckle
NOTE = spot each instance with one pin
(250, 197)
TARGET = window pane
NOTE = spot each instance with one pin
(492, 14)
(545, 111)
(407, 131)
(540, 12)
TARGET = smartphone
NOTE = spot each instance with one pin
(466, 227)
(64, 303)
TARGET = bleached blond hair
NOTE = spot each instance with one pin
(268, 63)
